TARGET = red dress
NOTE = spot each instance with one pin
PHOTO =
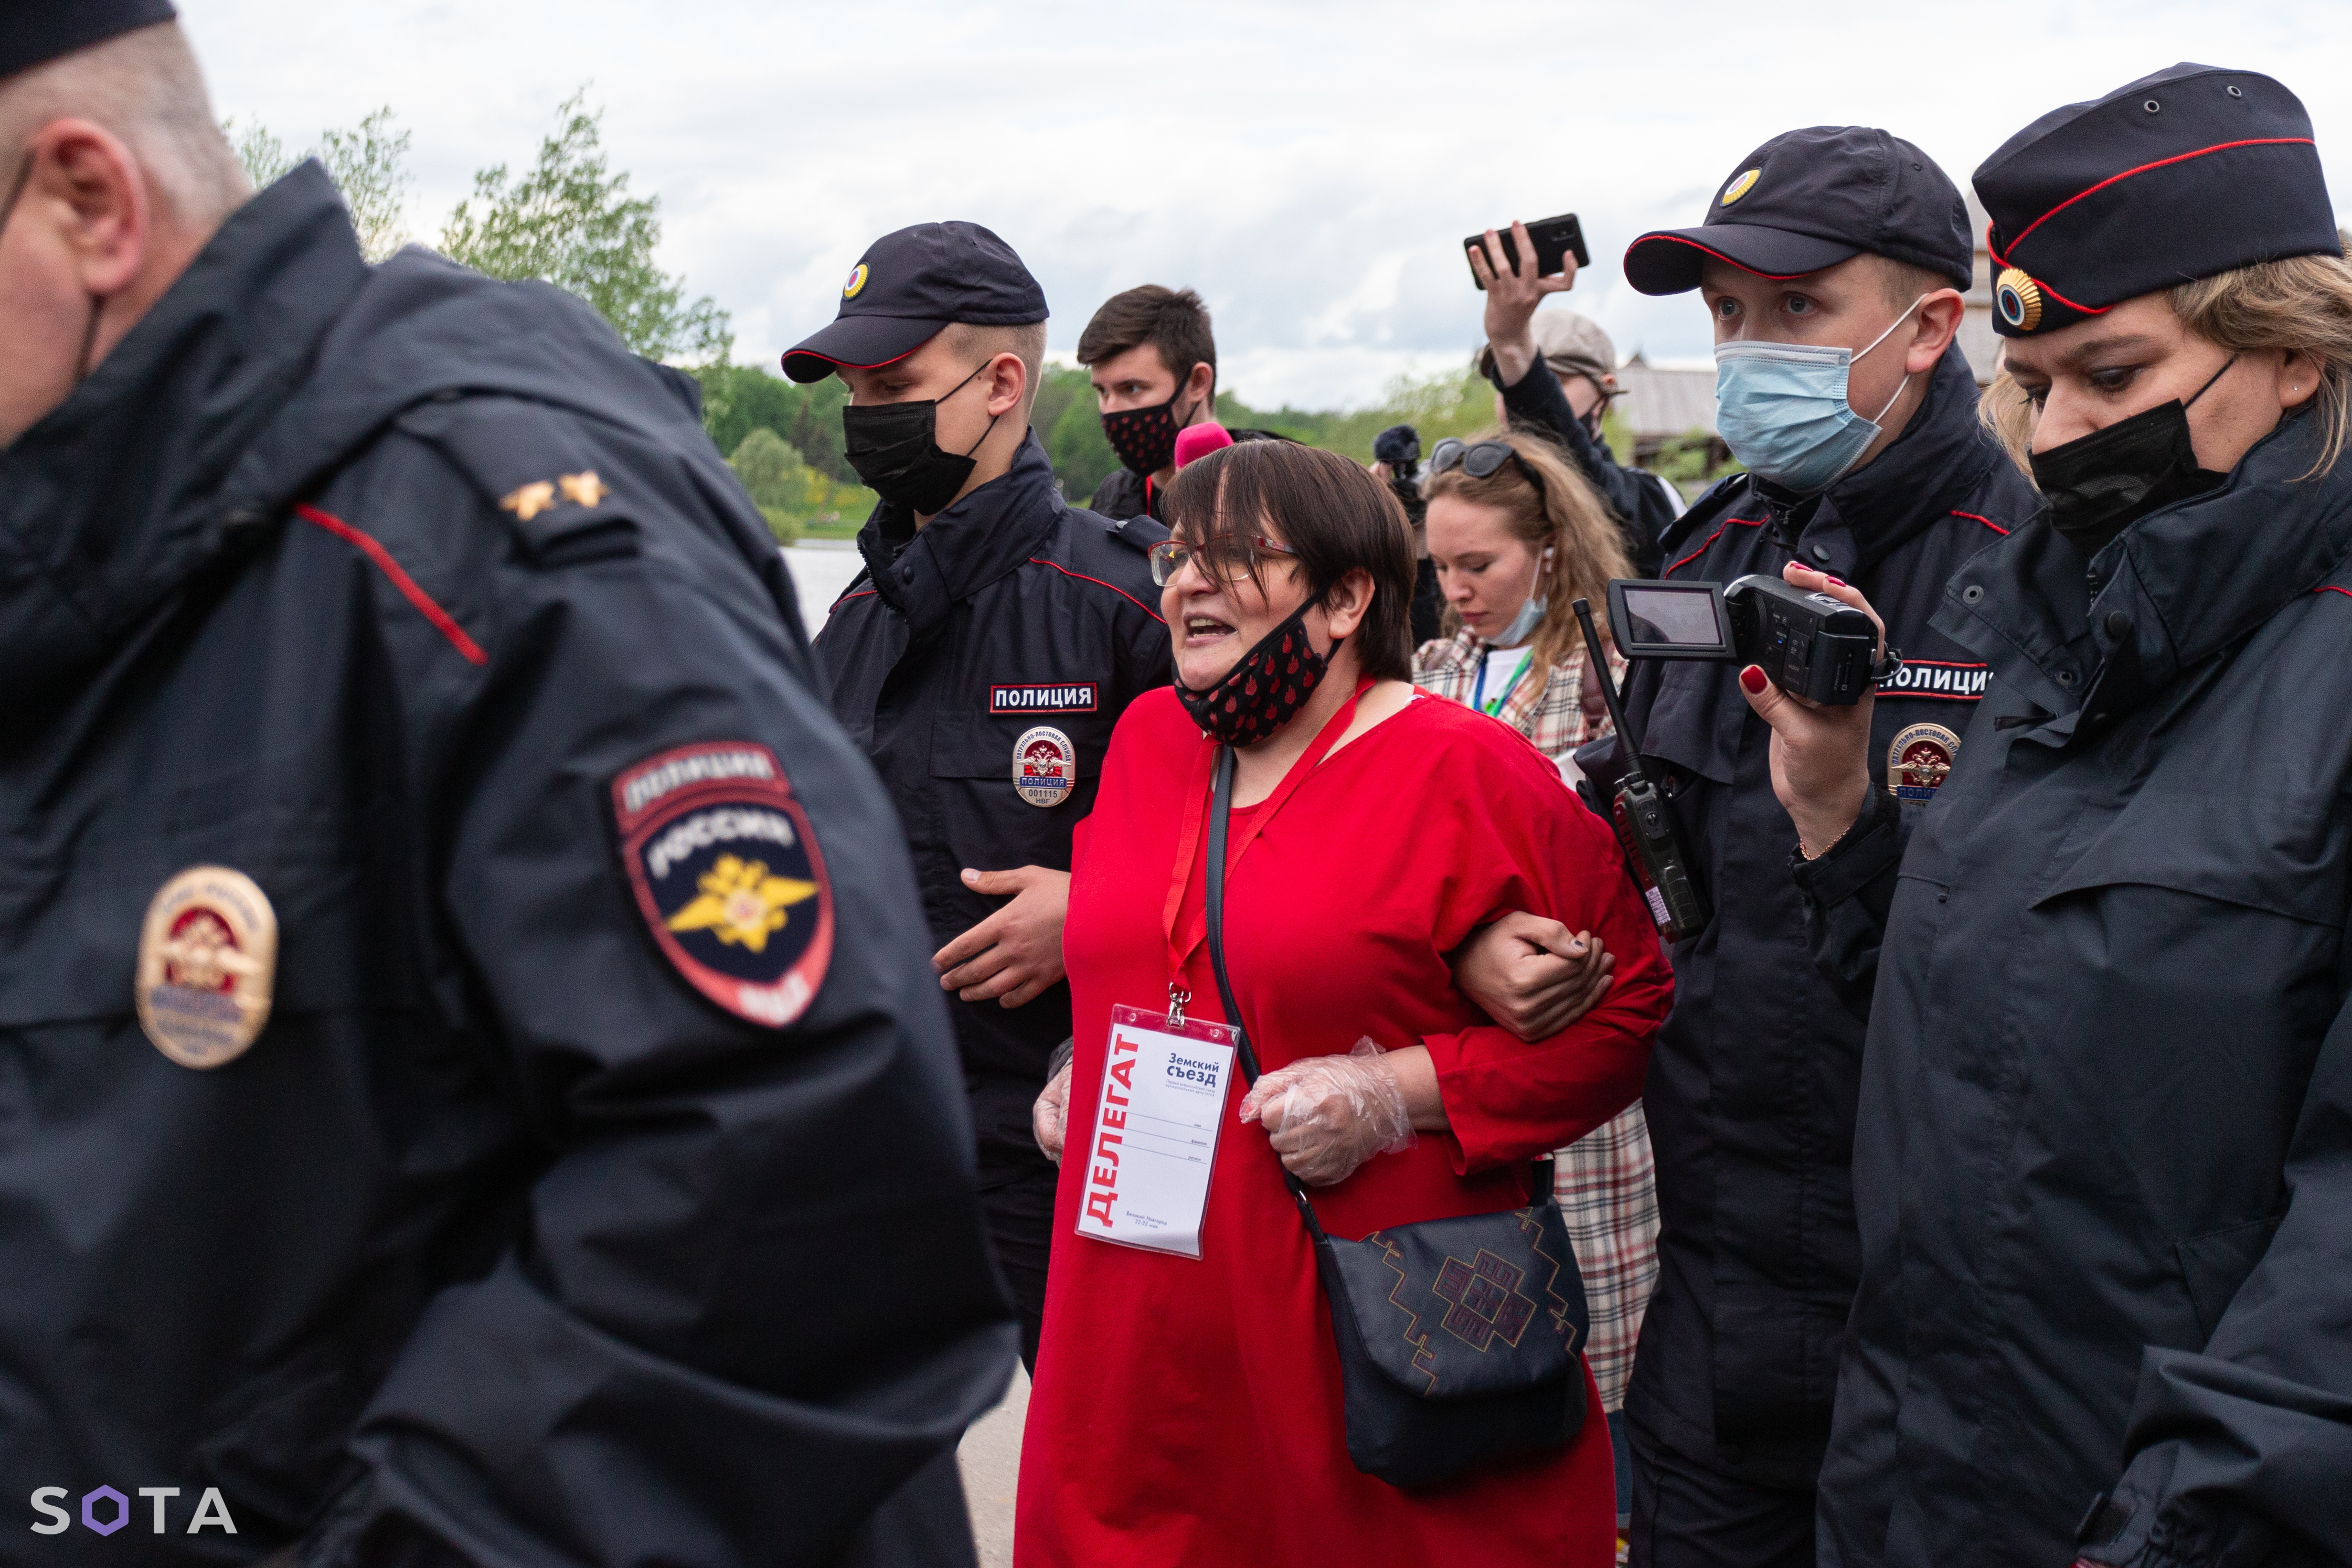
(1190, 1412)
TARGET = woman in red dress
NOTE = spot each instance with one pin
(1189, 1410)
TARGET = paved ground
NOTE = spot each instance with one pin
(991, 1454)
(991, 1458)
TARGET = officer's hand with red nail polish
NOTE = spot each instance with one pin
(1821, 762)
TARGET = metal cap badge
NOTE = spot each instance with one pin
(207, 960)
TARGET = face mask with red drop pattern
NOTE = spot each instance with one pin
(1265, 690)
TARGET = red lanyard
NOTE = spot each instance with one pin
(1188, 844)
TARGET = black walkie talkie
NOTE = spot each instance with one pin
(1644, 819)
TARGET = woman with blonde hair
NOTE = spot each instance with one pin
(1518, 536)
(2103, 1154)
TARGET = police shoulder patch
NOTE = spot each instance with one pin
(729, 876)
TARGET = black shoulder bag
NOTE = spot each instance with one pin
(1458, 1338)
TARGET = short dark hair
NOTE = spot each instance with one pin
(1172, 321)
(1334, 514)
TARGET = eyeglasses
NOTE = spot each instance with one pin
(1220, 559)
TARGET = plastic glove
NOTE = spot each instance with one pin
(1327, 1115)
(1050, 1117)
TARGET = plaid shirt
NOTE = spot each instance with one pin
(1606, 1181)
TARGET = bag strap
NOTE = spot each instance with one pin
(1220, 805)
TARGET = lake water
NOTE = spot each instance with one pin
(820, 569)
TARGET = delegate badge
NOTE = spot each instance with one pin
(728, 876)
(207, 959)
(1918, 761)
(1044, 766)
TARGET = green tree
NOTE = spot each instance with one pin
(263, 156)
(780, 483)
(739, 399)
(368, 164)
(569, 220)
(771, 470)
(1070, 426)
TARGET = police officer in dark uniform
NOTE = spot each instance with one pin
(2103, 1157)
(472, 1096)
(981, 660)
(1831, 260)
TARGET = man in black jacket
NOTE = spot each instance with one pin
(1844, 249)
(981, 659)
(472, 1094)
(1153, 361)
(1562, 386)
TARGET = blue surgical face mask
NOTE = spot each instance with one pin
(1523, 625)
(1522, 629)
(1782, 410)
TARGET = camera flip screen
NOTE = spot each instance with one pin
(1679, 618)
(1669, 620)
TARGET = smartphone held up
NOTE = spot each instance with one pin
(1555, 239)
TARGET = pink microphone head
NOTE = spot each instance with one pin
(1200, 440)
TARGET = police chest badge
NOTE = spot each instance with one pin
(1044, 766)
(207, 960)
(728, 876)
(1918, 760)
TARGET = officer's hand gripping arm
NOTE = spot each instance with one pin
(1534, 976)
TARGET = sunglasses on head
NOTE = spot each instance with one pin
(1482, 459)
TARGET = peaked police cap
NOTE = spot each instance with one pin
(39, 31)
(2181, 175)
(908, 286)
(1809, 199)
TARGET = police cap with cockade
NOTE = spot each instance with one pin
(39, 31)
(2183, 174)
(910, 284)
(1809, 199)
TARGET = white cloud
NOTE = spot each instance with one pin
(1309, 167)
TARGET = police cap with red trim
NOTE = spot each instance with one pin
(1809, 199)
(2183, 174)
(910, 284)
(39, 31)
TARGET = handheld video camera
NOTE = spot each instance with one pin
(1812, 645)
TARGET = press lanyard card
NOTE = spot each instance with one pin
(1155, 1130)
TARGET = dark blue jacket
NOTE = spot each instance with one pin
(1644, 504)
(1751, 1084)
(2105, 1150)
(1009, 610)
(502, 1243)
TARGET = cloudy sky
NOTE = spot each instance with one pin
(1309, 166)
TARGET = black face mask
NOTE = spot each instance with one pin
(1144, 438)
(1265, 690)
(895, 450)
(2101, 484)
